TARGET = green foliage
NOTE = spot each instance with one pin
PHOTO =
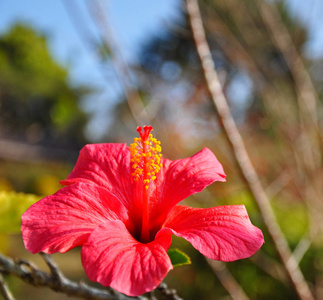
(36, 97)
(12, 206)
(178, 258)
(26, 62)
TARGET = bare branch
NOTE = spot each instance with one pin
(122, 69)
(57, 274)
(168, 293)
(229, 283)
(277, 185)
(285, 44)
(240, 153)
(306, 95)
(4, 290)
(271, 267)
(302, 248)
(305, 243)
(56, 280)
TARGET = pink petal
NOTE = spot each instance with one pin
(222, 233)
(107, 165)
(112, 257)
(181, 178)
(64, 220)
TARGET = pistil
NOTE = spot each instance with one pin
(145, 159)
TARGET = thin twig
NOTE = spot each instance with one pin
(305, 243)
(227, 280)
(277, 185)
(89, 39)
(56, 272)
(240, 152)
(271, 267)
(29, 273)
(121, 67)
(168, 293)
(302, 248)
(285, 44)
(4, 290)
(308, 142)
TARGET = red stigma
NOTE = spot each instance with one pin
(144, 134)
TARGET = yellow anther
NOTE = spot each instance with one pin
(145, 156)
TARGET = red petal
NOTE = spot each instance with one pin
(64, 220)
(222, 233)
(181, 178)
(112, 257)
(107, 165)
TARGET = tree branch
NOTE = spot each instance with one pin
(121, 67)
(56, 280)
(240, 153)
(285, 44)
(168, 293)
(4, 290)
(227, 280)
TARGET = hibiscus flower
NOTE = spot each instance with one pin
(120, 205)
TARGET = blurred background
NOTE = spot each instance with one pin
(77, 72)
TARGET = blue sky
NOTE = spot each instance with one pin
(132, 22)
(310, 14)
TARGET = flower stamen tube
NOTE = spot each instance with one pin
(146, 159)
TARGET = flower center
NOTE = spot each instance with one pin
(146, 162)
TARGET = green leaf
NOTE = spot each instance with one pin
(12, 206)
(178, 257)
